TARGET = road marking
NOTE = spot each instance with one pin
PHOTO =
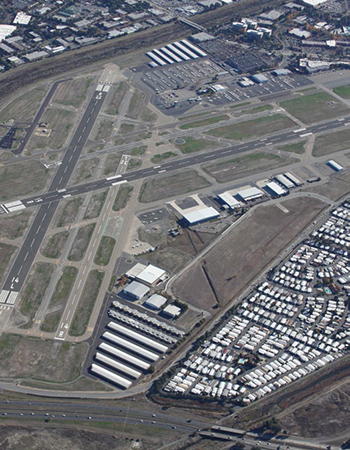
(306, 134)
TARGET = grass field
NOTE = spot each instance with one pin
(126, 128)
(81, 242)
(297, 147)
(86, 302)
(244, 166)
(24, 107)
(34, 291)
(204, 122)
(111, 164)
(81, 384)
(84, 171)
(256, 110)
(68, 211)
(314, 107)
(72, 93)
(134, 163)
(60, 122)
(104, 251)
(59, 299)
(343, 91)
(104, 130)
(138, 151)
(95, 205)
(118, 96)
(192, 145)
(122, 197)
(14, 186)
(156, 159)
(155, 189)
(244, 253)
(14, 225)
(254, 127)
(52, 246)
(138, 109)
(332, 142)
(6, 252)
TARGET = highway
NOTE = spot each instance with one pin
(37, 231)
(58, 190)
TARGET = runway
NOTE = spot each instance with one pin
(58, 190)
(37, 231)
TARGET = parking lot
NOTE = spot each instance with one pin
(153, 216)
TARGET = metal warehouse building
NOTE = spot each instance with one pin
(136, 290)
(250, 194)
(201, 215)
(151, 275)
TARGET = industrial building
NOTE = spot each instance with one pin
(151, 275)
(229, 200)
(275, 190)
(135, 270)
(172, 311)
(110, 376)
(292, 178)
(175, 53)
(155, 302)
(136, 290)
(260, 78)
(201, 215)
(334, 165)
(284, 181)
(128, 345)
(280, 72)
(252, 193)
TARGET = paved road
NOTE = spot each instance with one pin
(37, 231)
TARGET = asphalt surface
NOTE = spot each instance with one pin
(58, 190)
(37, 231)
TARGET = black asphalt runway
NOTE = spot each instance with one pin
(37, 231)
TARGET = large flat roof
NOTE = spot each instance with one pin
(135, 270)
(150, 274)
(201, 215)
(229, 200)
(136, 289)
(156, 301)
(249, 193)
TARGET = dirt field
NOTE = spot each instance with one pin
(118, 96)
(60, 122)
(14, 225)
(34, 180)
(254, 127)
(84, 171)
(81, 242)
(104, 251)
(337, 186)
(23, 108)
(330, 143)
(34, 291)
(126, 128)
(67, 211)
(52, 246)
(243, 166)
(59, 299)
(244, 253)
(134, 163)
(122, 198)
(171, 186)
(86, 302)
(111, 164)
(6, 254)
(82, 383)
(315, 107)
(95, 205)
(72, 93)
(90, 436)
(28, 357)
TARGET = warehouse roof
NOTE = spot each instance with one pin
(150, 274)
(172, 310)
(136, 289)
(229, 200)
(135, 270)
(155, 301)
(201, 215)
(250, 193)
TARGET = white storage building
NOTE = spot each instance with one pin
(201, 215)
(151, 275)
(229, 200)
(250, 194)
(156, 301)
(136, 290)
(172, 311)
(275, 190)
